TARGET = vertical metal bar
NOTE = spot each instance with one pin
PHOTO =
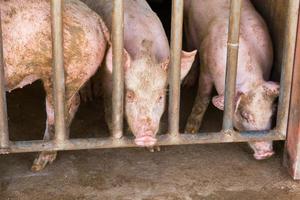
(4, 138)
(232, 62)
(118, 71)
(292, 145)
(174, 75)
(287, 63)
(58, 70)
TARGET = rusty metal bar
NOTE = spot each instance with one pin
(118, 71)
(174, 75)
(4, 137)
(98, 143)
(287, 70)
(232, 62)
(292, 145)
(58, 70)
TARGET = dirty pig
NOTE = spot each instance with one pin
(206, 28)
(146, 75)
(28, 53)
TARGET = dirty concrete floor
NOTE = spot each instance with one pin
(212, 171)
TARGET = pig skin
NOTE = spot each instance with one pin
(27, 49)
(206, 28)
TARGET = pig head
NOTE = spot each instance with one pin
(253, 112)
(146, 82)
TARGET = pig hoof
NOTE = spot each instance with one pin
(190, 130)
(153, 149)
(42, 160)
(263, 155)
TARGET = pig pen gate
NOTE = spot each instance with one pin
(228, 134)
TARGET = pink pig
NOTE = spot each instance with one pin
(206, 27)
(27, 45)
(146, 72)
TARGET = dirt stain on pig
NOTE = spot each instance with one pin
(73, 50)
(147, 47)
(147, 44)
(12, 12)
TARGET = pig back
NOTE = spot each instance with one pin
(207, 28)
(140, 24)
(28, 47)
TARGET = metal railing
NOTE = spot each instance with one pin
(228, 134)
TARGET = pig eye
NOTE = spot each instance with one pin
(160, 98)
(130, 96)
(246, 116)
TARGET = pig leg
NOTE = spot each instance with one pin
(201, 103)
(191, 78)
(46, 157)
(86, 93)
(108, 110)
(92, 88)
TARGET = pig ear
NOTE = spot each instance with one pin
(237, 99)
(165, 64)
(271, 89)
(187, 59)
(218, 101)
(126, 60)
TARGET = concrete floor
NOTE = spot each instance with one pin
(213, 171)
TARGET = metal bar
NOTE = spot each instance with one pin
(98, 143)
(118, 71)
(292, 146)
(174, 76)
(232, 62)
(58, 71)
(287, 63)
(4, 137)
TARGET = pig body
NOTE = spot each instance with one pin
(146, 69)
(28, 53)
(206, 28)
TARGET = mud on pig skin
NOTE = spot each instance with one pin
(206, 27)
(146, 71)
(27, 46)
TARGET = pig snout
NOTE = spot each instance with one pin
(145, 136)
(146, 139)
(262, 150)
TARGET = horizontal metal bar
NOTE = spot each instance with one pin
(58, 70)
(287, 68)
(118, 71)
(163, 140)
(174, 75)
(231, 63)
(4, 135)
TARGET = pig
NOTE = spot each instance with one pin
(27, 49)
(206, 28)
(146, 73)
